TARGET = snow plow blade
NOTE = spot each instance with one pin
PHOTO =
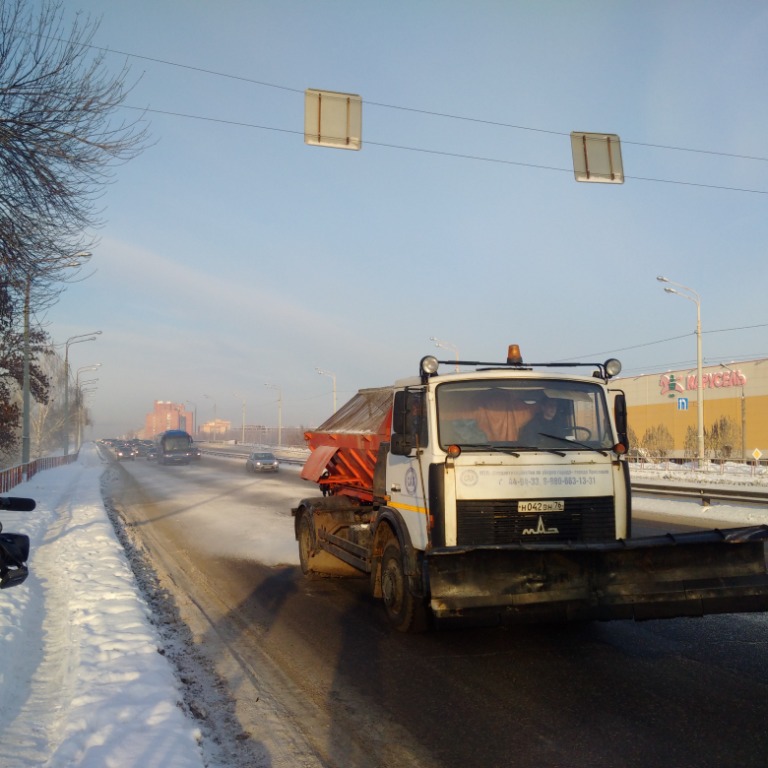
(657, 577)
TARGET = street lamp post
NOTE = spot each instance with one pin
(72, 340)
(78, 395)
(238, 397)
(743, 415)
(447, 345)
(279, 413)
(80, 392)
(25, 381)
(93, 367)
(333, 378)
(691, 295)
(194, 405)
(83, 392)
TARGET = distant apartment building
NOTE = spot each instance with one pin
(168, 415)
(217, 429)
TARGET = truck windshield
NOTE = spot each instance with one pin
(180, 443)
(526, 414)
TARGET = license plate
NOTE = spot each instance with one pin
(534, 507)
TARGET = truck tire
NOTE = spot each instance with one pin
(406, 613)
(306, 538)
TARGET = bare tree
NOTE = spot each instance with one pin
(59, 143)
(59, 139)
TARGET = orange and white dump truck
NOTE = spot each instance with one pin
(500, 493)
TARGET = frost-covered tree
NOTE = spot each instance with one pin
(12, 348)
(658, 441)
(723, 438)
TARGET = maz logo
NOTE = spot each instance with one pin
(540, 528)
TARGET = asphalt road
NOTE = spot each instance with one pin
(316, 677)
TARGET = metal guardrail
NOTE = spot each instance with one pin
(704, 493)
(288, 455)
(711, 467)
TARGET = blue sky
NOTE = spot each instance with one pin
(233, 255)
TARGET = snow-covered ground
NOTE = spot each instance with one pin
(84, 679)
(727, 476)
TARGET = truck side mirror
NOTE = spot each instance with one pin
(398, 413)
(401, 445)
(409, 425)
(620, 415)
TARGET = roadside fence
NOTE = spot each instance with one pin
(9, 478)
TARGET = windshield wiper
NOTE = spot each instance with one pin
(541, 448)
(575, 442)
(488, 447)
(511, 450)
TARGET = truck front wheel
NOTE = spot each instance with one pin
(406, 613)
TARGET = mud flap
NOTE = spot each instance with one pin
(690, 574)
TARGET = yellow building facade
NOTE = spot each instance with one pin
(736, 392)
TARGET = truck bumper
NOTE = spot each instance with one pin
(690, 574)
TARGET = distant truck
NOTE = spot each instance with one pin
(174, 446)
(501, 494)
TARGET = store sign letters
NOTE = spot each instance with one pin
(671, 383)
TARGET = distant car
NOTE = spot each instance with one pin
(262, 461)
(196, 452)
(124, 452)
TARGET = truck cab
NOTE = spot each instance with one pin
(492, 458)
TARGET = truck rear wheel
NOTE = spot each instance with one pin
(306, 543)
(406, 613)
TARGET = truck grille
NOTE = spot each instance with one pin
(498, 522)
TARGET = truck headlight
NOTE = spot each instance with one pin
(612, 367)
(429, 365)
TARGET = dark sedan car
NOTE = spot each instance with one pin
(262, 461)
(124, 452)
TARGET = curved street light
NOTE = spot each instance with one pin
(333, 378)
(93, 367)
(79, 339)
(447, 345)
(279, 413)
(80, 394)
(691, 295)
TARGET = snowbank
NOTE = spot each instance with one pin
(82, 681)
